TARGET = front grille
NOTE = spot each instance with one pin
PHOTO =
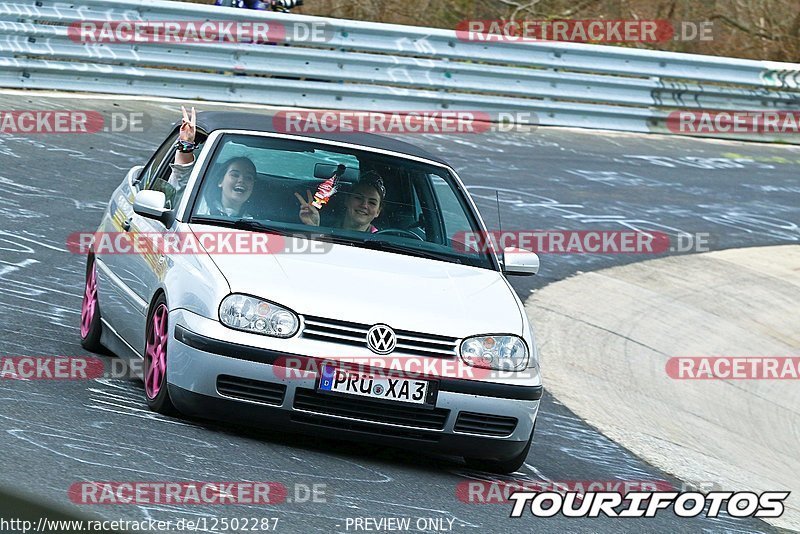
(370, 410)
(347, 333)
(489, 425)
(252, 390)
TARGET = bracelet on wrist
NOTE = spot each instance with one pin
(185, 147)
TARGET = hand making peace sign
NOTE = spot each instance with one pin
(308, 213)
(187, 133)
(188, 125)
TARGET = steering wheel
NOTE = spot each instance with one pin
(399, 232)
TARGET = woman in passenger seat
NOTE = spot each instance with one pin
(362, 205)
(231, 193)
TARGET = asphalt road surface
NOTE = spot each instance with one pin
(57, 433)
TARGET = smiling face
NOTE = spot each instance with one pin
(237, 184)
(361, 207)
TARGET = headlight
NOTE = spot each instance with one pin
(258, 316)
(504, 353)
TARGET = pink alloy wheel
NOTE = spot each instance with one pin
(156, 353)
(89, 307)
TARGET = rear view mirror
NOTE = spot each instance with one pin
(520, 261)
(325, 171)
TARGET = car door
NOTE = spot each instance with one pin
(133, 277)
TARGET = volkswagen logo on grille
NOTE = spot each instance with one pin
(381, 339)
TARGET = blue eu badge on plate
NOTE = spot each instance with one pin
(326, 377)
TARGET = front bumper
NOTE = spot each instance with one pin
(196, 361)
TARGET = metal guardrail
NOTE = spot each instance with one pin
(368, 66)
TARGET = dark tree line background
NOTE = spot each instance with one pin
(755, 29)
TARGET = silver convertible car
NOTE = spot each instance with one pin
(317, 283)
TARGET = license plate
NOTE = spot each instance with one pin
(338, 380)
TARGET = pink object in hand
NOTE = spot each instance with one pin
(324, 192)
(328, 188)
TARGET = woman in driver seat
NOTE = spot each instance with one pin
(362, 206)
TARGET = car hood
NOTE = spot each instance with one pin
(369, 287)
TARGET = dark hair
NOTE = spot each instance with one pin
(238, 159)
(213, 194)
(372, 179)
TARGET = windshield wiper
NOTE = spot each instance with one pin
(258, 226)
(212, 220)
(243, 224)
(389, 246)
(373, 244)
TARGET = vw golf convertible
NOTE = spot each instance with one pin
(352, 302)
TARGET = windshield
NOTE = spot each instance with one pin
(332, 193)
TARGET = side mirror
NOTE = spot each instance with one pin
(152, 204)
(520, 262)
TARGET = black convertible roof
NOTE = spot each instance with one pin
(210, 121)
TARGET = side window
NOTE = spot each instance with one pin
(453, 215)
(164, 179)
(155, 163)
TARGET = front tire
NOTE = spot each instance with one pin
(502, 467)
(91, 329)
(155, 360)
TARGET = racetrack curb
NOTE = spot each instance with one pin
(605, 337)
